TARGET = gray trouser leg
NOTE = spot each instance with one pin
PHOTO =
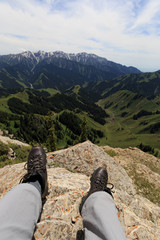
(19, 212)
(100, 218)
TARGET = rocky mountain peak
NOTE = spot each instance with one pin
(84, 58)
(26, 54)
(69, 171)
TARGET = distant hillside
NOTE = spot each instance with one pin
(132, 117)
(56, 69)
(52, 118)
(145, 84)
(122, 119)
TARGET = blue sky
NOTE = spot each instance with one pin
(124, 31)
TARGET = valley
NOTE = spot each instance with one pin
(75, 97)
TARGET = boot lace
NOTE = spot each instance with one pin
(99, 183)
(35, 165)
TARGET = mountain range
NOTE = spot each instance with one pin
(60, 71)
(56, 69)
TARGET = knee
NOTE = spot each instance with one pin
(101, 202)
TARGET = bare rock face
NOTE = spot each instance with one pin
(69, 171)
(11, 154)
(143, 168)
(7, 140)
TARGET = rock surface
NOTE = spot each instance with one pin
(143, 168)
(69, 171)
(7, 140)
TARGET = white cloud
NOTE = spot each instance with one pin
(110, 28)
(148, 13)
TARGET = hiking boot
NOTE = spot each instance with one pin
(36, 169)
(99, 181)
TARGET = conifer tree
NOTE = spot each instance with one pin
(51, 138)
(84, 131)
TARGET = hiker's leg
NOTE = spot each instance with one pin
(19, 211)
(100, 218)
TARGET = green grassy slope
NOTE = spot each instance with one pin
(31, 116)
(4, 100)
(130, 117)
(146, 84)
(121, 129)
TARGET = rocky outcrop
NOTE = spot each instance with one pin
(11, 154)
(69, 171)
(7, 140)
(143, 168)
